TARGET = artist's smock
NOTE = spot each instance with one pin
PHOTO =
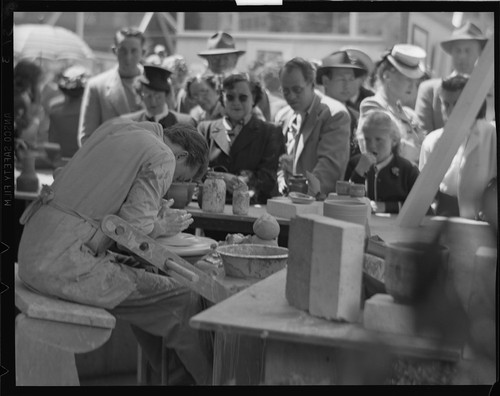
(124, 168)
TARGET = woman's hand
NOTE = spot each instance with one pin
(233, 181)
(377, 206)
(365, 162)
(286, 163)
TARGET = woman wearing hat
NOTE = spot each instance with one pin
(398, 73)
(64, 115)
(241, 144)
(154, 88)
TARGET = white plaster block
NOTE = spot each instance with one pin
(382, 313)
(336, 268)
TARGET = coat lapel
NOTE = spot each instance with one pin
(306, 129)
(116, 95)
(219, 136)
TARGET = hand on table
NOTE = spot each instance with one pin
(313, 184)
(377, 206)
(233, 182)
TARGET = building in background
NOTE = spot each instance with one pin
(268, 35)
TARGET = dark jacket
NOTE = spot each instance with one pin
(256, 149)
(393, 183)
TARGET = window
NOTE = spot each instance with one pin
(289, 22)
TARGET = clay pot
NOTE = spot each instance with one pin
(28, 179)
(342, 187)
(402, 262)
(181, 193)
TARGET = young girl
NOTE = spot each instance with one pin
(388, 176)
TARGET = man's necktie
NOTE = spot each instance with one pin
(293, 133)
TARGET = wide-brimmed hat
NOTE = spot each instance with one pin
(469, 31)
(73, 78)
(220, 43)
(338, 60)
(361, 57)
(155, 77)
(408, 60)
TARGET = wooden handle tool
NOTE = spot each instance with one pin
(159, 256)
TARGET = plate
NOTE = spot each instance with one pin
(300, 198)
(200, 247)
(180, 239)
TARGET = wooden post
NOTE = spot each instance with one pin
(455, 131)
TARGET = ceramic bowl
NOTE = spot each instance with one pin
(252, 260)
(405, 264)
(181, 193)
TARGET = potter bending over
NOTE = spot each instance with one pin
(124, 168)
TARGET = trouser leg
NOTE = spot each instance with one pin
(169, 318)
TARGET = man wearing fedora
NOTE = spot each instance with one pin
(464, 46)
(111, 93)
(316, 129)
(221, 54)
(338, 73)
(154, 89)
(360, 90)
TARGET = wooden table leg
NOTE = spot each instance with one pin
(238, 360)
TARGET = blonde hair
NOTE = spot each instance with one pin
(380, 119)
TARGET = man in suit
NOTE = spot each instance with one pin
(464, 46)
(316, 129)
(154, 88)
(111, 93)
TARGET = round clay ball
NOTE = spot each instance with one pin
(266, 227)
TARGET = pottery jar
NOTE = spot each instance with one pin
(241, 201)
(297, 183)
(214, 193)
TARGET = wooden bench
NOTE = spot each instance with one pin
(49, 332)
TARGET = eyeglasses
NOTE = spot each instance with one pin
(232, 98)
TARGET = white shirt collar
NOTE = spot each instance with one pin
(158, 117)
(385, 162)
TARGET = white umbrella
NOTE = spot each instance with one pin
(49, 42)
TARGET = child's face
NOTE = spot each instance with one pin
(378, 141)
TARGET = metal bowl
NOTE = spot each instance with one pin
(252, 260)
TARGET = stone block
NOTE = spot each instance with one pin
(298, 276)
(283, 207)
(325, 266)
(382, 313)
(336, 269)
